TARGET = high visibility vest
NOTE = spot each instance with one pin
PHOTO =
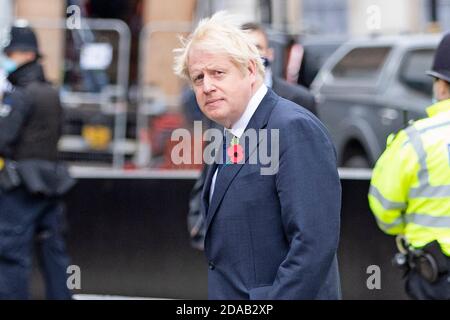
(410, 187)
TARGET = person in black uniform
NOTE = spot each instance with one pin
(32, 181)
(295, 93)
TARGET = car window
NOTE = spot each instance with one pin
(413, 71)
(314, 57)
(361, 64)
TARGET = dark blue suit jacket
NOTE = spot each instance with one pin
(276, 236)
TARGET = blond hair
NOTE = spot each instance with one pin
(220, 33)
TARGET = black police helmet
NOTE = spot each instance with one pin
(441, 64)
(22, 38)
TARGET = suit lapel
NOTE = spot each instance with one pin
(229, 172)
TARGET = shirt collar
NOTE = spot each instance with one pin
(239, 127)
(268, 81)
(442, 106)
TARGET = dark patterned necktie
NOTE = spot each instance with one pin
(226, 141)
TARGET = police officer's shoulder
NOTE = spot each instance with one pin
(390, 139)
(411, 130)
(395, 136)
(402, 133)
(421, 124)
(19, 100)
(41, 91)
(7, 87)
(16, 94)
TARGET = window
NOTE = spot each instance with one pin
(413, 71)
(361, 64)
(314, 57)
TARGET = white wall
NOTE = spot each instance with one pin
(246, 9)
(384, 16)
(6, 18)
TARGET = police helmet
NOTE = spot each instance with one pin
(22, 38)
(441, 64)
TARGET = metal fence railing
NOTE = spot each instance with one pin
(93, 82)
(157, 39)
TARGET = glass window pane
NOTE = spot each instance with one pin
(362, 64)
(413, 71)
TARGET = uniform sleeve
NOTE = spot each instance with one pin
(392, 177)
(12, 120)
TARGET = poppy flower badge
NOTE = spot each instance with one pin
(235, 152)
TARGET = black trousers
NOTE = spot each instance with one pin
(420, 289)
(22, 218)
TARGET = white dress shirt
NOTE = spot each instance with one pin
(268, 79)
(239, 127)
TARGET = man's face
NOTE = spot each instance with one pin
(22, 57)
(441, 90)
(221, 88)
(260, 41)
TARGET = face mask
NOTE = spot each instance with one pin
(434, 100)
(2, 84)
(8, 65)
(266, 62)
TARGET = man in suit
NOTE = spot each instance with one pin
(295, 93)
(268, 235)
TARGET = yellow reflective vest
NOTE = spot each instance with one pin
(410, 187)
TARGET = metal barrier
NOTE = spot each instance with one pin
(152, 100)
(143, 248)
(145, 45)
(99, 98)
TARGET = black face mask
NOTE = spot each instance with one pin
(266, 62)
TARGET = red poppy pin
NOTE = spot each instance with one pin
(235, 152)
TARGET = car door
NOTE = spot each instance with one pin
(347, 101)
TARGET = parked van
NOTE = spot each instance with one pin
(372, 87)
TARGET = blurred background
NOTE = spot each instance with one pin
(364, 61)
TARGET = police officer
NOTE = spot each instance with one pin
(31, 179)
(410, 190)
